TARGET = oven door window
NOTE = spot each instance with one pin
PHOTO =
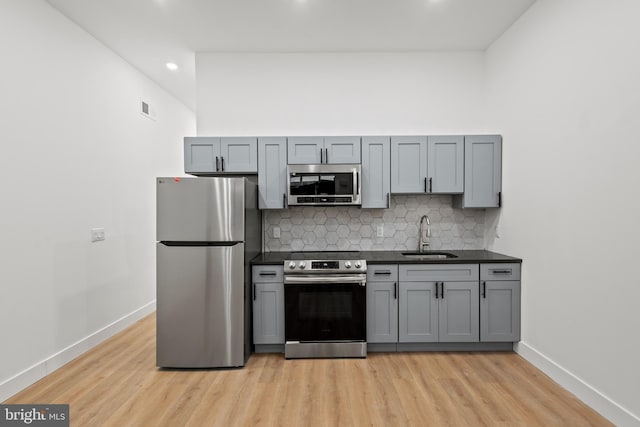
(325, 312)
(338, 184)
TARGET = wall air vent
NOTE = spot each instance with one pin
(147, 110)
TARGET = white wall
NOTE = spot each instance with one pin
(76, 154)
(564, 90)
(339, 93)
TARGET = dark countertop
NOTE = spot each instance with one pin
(389, 257)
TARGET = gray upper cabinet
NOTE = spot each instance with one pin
(421, 164)
(321, 150)
(438, 303)
(408, 164)
(201, 154)
(342, 149)
(382, 304)
(482, 172)
(213, 155)
(376, 171)
(239, 154)
(268, 305)
(305, 149)
(500, 302)
(445, 164)
(272, 172)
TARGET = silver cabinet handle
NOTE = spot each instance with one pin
(217, 165)
(388, 200)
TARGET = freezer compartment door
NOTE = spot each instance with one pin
(200, 209)
(200, 306)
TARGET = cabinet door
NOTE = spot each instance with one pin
(500, 311)
(239, 154)
(417, 312)
(482, 171)
(458, 312)
(382, 312)
(268, 313)
(341, 149)
(445, 164)
(304, 149)
(201, 154)
(408, 164)
(272, 172)
(376, 171)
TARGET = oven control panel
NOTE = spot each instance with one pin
(325, 266)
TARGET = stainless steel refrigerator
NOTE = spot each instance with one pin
(208, 229)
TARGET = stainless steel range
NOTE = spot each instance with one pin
(325, 305)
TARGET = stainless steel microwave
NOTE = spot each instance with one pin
(324, 184)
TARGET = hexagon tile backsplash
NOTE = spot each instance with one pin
(320, 228)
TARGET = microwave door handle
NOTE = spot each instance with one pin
(356, 177)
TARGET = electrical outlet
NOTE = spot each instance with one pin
(97, 234)
(380, 231)
(276, 232)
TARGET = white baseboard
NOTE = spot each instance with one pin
(604, 405)
(41, 369)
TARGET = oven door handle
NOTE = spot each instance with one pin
(335, 279)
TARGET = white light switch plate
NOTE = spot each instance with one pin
(97, 234)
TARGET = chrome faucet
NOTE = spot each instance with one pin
(425, 234)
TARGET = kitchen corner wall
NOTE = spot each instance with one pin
(349, 228)
(76, 154)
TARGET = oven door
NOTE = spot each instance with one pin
(325, 307)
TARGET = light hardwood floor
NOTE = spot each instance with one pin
(118, 384)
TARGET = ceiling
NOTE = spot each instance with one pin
(150, 33)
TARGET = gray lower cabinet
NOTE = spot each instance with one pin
(500, 302)
(272, 172)
(382, 303)
(438, 303)
(482, 172)
(376, 171)
(323, 150)
(268, 304)
(213, 155)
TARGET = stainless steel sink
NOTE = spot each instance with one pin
(429, 255)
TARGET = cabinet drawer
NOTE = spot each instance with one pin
(438, 272)
(267, 274)
(502, 271)
(382, 273)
